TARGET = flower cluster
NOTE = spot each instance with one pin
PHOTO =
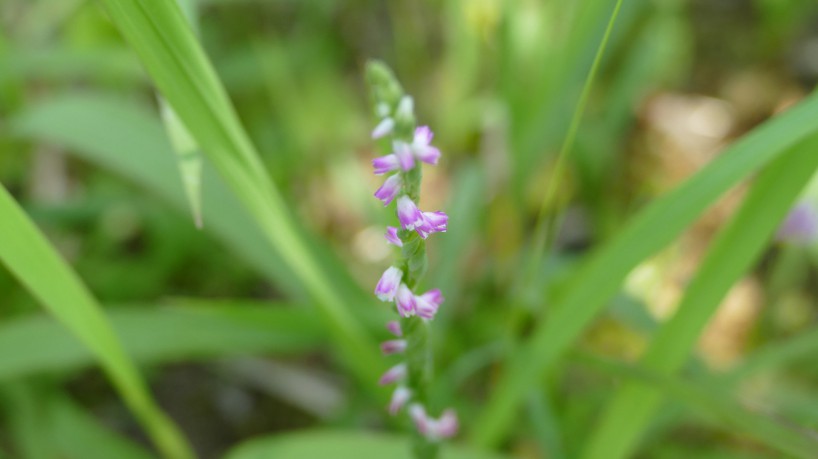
(395, 284)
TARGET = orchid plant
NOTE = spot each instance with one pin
(408, 146)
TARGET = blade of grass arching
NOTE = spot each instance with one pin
(158, 32)
(338, 444)
(734, 251)
(188, 153)
(30, 258)
(648, 232)
(123, 137)
(716, 405)
(196, 331)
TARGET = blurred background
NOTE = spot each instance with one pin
(83, 149)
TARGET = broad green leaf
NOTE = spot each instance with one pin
(158, 32)
(30, 258)
(341, 445)
(735, 250)
(34, 344)
(715, 405)
(648, 232)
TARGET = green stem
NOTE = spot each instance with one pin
(547, 220)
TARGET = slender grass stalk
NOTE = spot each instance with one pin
(547, 220)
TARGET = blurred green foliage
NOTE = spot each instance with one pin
(531, 366)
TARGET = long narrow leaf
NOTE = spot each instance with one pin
(652, 229)
(36, 344)
(738, 246)
(30, 257)
(158, 32)
(717, 407)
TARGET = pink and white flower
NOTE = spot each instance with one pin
(408, 213)
(388, 285)
(384, 164)
(392, 236)
(405, 301)
(433, 222)
(394, 327)
(395, 346)
(421, 146)
(390, 188)
(394, 374)
(434, 429)
(403, 152)
(400, 396)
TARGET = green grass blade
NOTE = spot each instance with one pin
(122, 136)
(36, 344)
(544, 232)
(188, 153)
(340, 445)
(125, 138)
(158, 32)
(30, 257)
(717, 406)
(601, 276)
(737, 247)
(188, 158)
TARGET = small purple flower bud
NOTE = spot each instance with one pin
(425, 309)
(409, 214)
(405, 301)
(394, 374)
(392, 236)
(800, 226)
(394, 327)
(390, 188)
(383, 128)
(400, 396)
(395, 346)
(421, 148)
(388, 284)
(404, 153)
(384, 164)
